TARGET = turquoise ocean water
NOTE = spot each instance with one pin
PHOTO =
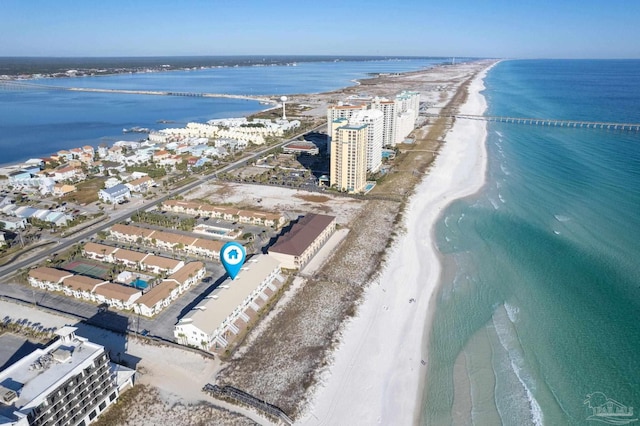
(543, 307)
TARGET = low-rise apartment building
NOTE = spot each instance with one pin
(254, 217)
(132, 259)
(231, 306)
(167, 240)
(83, 287)
(46, 278)
(161, 295)
(296, 248)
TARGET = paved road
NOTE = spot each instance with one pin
(160, 326)
(8, 270)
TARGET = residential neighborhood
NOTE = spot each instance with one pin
(134, 229)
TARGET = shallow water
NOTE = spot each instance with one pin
(545, 298)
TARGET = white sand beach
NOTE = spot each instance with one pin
(378, 371)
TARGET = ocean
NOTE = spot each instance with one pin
(36, 123)
(542, 306)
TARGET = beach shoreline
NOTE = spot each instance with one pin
(475, 105)
(402, 297)
(367, 383)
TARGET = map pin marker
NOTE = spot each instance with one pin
(232, 256)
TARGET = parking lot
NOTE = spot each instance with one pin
(161, 325)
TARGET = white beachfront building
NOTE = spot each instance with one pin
(231, 306)
(374, 119)
(389, 113)
(69, 382)
(407, 109)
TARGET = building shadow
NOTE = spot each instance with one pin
(284, 230)
(203, 294)
(317, 164)
(109, 329)
(25, 349)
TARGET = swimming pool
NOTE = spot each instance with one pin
(139, 283)
(369, 186)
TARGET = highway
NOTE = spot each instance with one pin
(11, 268)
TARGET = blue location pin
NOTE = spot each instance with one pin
(232, 256)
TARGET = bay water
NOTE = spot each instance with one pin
(542, 305)
(38, 122)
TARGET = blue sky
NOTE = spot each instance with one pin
(483, 28)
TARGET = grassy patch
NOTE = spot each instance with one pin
(87, 191)
(118, 413)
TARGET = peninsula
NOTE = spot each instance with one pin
(351, 322)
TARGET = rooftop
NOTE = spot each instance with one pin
(132, 230)
(130, 255)
(222, 301)
(49, 274)
(157, 293)
(44, 369)
(117, 291)
(82, 283)
(183, 274)
(161, 262)
(302, 234)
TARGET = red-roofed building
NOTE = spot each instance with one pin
(296, 248)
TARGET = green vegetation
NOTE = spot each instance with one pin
(164, 220)
(177, 183)
(119, 412)
(152, 170)
(86, 192)
(25, 328)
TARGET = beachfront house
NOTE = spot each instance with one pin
(141, 184)
(62, 189)
(12, 224)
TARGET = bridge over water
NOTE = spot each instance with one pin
(20, 85)
(548, 122)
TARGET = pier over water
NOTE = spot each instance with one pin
(18, 85)
(547, 122)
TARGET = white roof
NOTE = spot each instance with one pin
(221, 303)
(38, 373)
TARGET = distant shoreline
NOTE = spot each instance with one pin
(356, 83)
(22, 68)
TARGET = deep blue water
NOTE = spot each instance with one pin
(36, 123)
(544, 306)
